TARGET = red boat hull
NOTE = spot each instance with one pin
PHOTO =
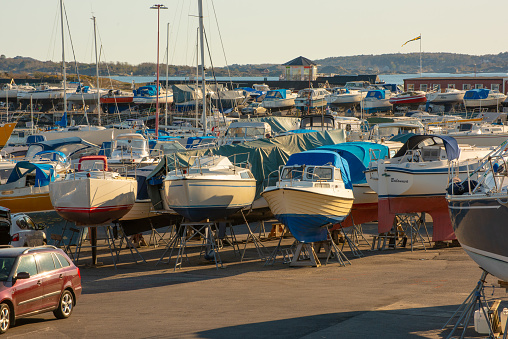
(117, 100)
(409, 100)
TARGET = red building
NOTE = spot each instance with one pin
(464, 83)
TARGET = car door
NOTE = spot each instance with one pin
(33, 236)
(52, 279)
(27, 293)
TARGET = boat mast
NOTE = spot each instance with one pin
(202, 44)
(63, 58)
(420, 55)
(157, 93)
(197, 79)
(167, 78)
(97, 72)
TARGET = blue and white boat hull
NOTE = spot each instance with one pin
(306, 212)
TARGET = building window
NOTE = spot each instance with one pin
(410, 87)
(478, 86)
(466, 87)
(436, 87)
(494, 87)
(423, 87)
(451, 85)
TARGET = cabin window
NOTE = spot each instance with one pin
(423, 87)
(338, 175)
(465, 127)
(451, 85)
(478, 86)
(322, 173)
(244, 175)
(289, 173)
(466, 87)
(411, 87)
(494, 87)
(437, 87)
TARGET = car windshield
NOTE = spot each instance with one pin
(6, 267)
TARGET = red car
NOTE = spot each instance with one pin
(36, 280)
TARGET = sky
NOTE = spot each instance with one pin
(251, 32)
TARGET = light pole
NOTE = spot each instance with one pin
(158, 8)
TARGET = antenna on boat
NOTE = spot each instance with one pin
(63, 59)
(97, 71)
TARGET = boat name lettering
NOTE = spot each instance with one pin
(398, 180)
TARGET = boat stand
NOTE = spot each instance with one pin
(357, 233)
(352, 244)
(255, 239)
(156, 237)
(202, 229)
(308, 256)
(224, 238)
(410, 223)
(336, 251)
(466, 309)
(286, 253)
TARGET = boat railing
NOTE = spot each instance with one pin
(489, 174)
(412, 155)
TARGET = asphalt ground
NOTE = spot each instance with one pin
(394, 293)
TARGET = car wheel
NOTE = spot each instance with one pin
(65, 306)
(5, 317)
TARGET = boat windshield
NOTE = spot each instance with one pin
(292, 173)
(243, 132)
(129, 144)
(319, 173)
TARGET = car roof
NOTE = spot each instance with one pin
(17, 251)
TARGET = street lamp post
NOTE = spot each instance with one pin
(158, 8)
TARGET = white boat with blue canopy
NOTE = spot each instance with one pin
(279, 99)
(314, 191)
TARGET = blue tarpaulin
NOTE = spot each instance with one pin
(322, 158)
(44, 173)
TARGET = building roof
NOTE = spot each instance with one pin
(300, 61)
(456, 78)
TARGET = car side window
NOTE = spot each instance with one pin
(21, 223)
(63, 260)
(56, 261)
(27, 264)
(46, 263)
(30, 224)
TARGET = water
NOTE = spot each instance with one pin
(143, 80)
(399, 78)
(388, 78)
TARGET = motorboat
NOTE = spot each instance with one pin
(311, 98)
(415, 180)
(117, 97)
(420, 167)
(344, 97)
(10, 91)
(94, 134)
(450, 96)
(409, 98)
(483, 97)
(239, 132)
(72, 147)
(211, 188)
(479, 209)
(147, 95)
(93, 195)
(377, 100)
(61, 164)
(227, 99)
(388, 130)
(279, 99)
(478, 133)
(27, 188)
(313, 191)
(130, 150)
(84, 95)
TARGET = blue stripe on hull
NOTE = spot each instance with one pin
(307, 227)
(196, 214)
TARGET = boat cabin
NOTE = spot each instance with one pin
(239, 132)
(391, 129)
(426, 148)
(93, 163)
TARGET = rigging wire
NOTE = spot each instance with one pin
(52, 39)
(222, 45)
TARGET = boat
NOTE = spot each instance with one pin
(311, 98)
(117, 97)
(57, 159)
(479, 209)
(6, 130)
(415, 180)
(450, 96)
(130, 150)
(388, 130)
(279, 99)
(27, 188)
(377, 100)
(72, 147)
(227, 99)
(345, 97)
(314, 191)
(9, 92)
(483, 97)
(84, 95)
(409, 98)
(239, 132)
(93, 195)
(94, 134)
(211, 188)
(477, 132)
(147, 95)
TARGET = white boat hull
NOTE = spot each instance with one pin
(96, 137)
(198, 199)
(93, 201)
(279, 103)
